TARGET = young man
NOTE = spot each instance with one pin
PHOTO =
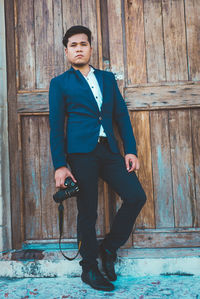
(91, 100)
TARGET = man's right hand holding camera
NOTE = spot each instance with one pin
(61, 174)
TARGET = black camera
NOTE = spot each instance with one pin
(71, 190)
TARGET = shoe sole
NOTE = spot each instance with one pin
(96, 288)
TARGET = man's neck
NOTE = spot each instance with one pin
(83, 69)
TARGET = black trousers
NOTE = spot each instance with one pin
(87, 167)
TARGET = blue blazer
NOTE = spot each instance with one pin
(70, 94)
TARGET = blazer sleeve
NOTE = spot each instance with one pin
(122, 119)
(57, 121)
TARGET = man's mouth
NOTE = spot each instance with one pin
(79, 56)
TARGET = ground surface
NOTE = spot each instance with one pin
(153, 287)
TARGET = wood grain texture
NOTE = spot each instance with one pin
(33, 102)
(167, 239)
(14, 153)
(71, 15)
(116, 40)
(44, 44)
(58, 48)
(135, 43)
(31, 177)
(105, 34)
(161, 165)
(192, 12)
(175, 40)
(26, 44)
(141, 128)
(89, 19)
(195, 113)
(159, 97)
(182, 168)
(49, 225)
(154, 41)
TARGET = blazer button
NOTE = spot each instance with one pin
(100, 118)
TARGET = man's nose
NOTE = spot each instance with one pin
(79, 48)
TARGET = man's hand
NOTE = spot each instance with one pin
(60, 176)
(132, 162)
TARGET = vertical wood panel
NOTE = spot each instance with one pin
(154, 41)
(89, 19)
(161, 164)
(14, 153)
(58, 47)
(71, 15)
(100, 225)
(192, 11)
(196, 155)
(116, 40)
(141, 128)
(31, 177)
(105, 34)
(47, 183)
(182, 168)
(26, 41)
(44, 58)
(135, 44)
(175, 40)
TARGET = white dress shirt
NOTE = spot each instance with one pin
(94, 86)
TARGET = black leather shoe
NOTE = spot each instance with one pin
(96, 280)
(108, 259)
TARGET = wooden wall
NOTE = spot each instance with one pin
(153, 48)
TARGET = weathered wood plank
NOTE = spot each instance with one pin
(161, 165)
(32, 102)
(44, 45)
(141, 128)
(116, 40)
(25, 34)
(192, 11)
(195, 117)
(89, 19)
(58, 48)
(47, 184)
(166, 239)
(71, 15)
(135, 43)
(175, 40)
(182, 168)
(15, 174)
(105, 34)
(163, 97)
(31, 177)
(99, 35)
(101, 210)
(154, 41)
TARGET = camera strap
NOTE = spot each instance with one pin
(61, 217)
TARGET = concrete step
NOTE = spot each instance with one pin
(130, 262)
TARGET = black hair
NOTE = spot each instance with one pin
(75, 30)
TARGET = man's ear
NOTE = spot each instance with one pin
(66, 51)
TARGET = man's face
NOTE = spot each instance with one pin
(78, 50)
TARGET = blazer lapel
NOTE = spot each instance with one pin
(87, 87)
(99, 76)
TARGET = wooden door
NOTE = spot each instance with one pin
(153, 49)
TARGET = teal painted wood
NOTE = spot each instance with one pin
(161, 165)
